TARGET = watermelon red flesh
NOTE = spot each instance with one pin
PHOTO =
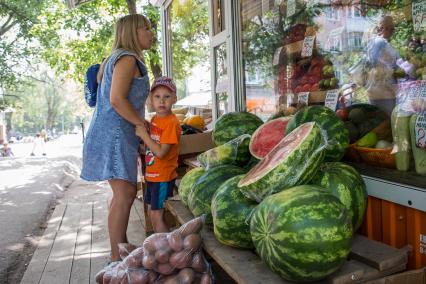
(267, 136)
(293, 161)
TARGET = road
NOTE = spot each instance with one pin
(29, 188)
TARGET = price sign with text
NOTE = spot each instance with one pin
(420, 130)
(291, 8)
(331, 99)
(419, 15)
(303, 98)
(308, 46)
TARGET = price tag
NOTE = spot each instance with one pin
(420, 130)
(291, 8)
(290, 99)
(331, 99)
(303, 98)
(411, 97)
(419, 15)
(276, 58)
(308, 46)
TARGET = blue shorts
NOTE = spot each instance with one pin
(157, 193)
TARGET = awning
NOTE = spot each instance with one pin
(196, 100)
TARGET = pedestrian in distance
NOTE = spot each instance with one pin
(110, 150)
(39, 145)
(6, 151)
(161, 158)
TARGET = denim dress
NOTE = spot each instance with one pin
(110, 150)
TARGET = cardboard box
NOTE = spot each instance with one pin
(195, 143)
(408, 277)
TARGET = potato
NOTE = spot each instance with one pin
(132, 262)
(149, 262)
(206, 279)
(149, 246)
(155, 242)
(175, 240)
(186, 276)
(162, 244)
(100, 276)
(124, 249)
(192, 242)
(165, 269)
(139, 276)
(162, 256)
(192, 227)
(198, 263)
(138, 252)
(172, 279)
(152, 276)
(181, 259)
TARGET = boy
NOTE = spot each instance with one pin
(161, 156)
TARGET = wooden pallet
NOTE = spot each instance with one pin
(368, 259)
(75, 245)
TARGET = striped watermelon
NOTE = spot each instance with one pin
(303, 233)
(231, 211)
(267, 136)
(293, 161)
(234, 152)
(344, 182)
(188, 180)
(200, 197)
(338, 135)
(233, 124)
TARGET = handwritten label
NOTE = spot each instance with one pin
(308, 46)
(420, 130)
(303, 98)
(290, 99)
(276, 59)
(291, 8)
(411, 97)
(331, 98)
(419, 15)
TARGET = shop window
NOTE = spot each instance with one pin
(332, 13)
(187, 31)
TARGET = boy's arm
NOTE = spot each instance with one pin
(159, 150)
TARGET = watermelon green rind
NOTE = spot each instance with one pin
(303, 233)
(233, 124)
(256, 136)
(200, 197)
(297, 167)
(231, 212)
(188, 180)
(338, 135)
(344, 182)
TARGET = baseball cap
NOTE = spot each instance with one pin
(165, 82)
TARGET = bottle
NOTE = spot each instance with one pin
(401, 137)
(418, 142)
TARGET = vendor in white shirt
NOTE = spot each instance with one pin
(39, 145)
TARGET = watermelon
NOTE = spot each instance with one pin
(200, 197)
(344, 182)
(234, 152)
(338, 135)
(293, 161)
(303, 233)
(188, 180)
(233, 124)
(231, 212)
(267, 136)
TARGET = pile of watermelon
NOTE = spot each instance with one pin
(283, 192)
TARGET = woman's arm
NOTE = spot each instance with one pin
(159, 150)
(122, 77)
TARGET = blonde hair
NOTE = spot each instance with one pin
(126, 37)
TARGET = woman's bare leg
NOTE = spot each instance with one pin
(124, 194)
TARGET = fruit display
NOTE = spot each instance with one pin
(267, 136)
(344, 182)
(234, 152)
(303, 233)
(337, 135)
(195, 121)
(187, 181)
(201, 193)
(231, 210)
(291, 162)
(231, 125)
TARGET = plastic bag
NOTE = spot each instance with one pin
(235, 152)
(124, 249)
(167, 252)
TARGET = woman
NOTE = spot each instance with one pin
(382, 58)
(111, 148)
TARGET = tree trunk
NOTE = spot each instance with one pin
(155, 67)
(131, 5)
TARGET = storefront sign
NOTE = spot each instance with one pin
(291, 8)
(419, 15)
(411, 97)
(276, 59)
(420, 129)
(308, 46)
(303, 98)
(331, 99)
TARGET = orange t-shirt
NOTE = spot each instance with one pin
(163, 130)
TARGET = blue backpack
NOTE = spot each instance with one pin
(91, 85)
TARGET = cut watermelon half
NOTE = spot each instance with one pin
(267, 136)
